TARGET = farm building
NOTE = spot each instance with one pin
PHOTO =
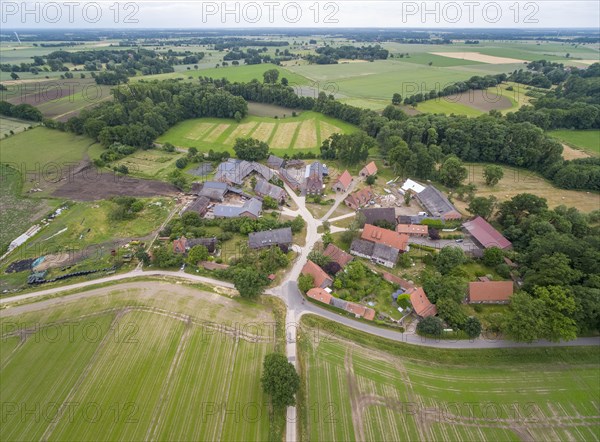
(384, 236)
(413, 186)
(436, 203)
(316, 168)
(264, 188)
(251, 209)
(360, 311)
(413, 229)
(387, 214)
(275, 162)
(421, 304)
(339, 303)
(314, 184)
(183, 244)
(290, 179)
(235, 171)
(485, 234)
(343, 182)
(268, 238)
(214, 190)
(337, 255)
(319, 294)
(493, 292)
(368, 170)
(199, 205)
(359, 198)
(320, 278)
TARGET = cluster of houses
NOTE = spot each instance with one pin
(323, 281)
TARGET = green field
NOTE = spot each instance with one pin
(12, 126)
(146, 360)
(284, 135)
(442, 106)
(151, 164)
(38, 147)
(382, 390)
(243, 73)
(587, 140)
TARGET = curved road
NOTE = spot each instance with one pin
(297, 307)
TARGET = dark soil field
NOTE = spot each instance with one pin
(270, 110)
(90, 184)
(481, 100)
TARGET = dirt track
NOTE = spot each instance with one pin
(90, 184)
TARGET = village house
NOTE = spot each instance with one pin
(337, 255)
(342, 184)
(490, 292)
(214, 190)
(320, 278)
(234, 171)
(485, 234)
(275, 162)
(268, 238)
(368, 170)
(360, 311)
(386, 237)
(183, 245)
(199, 205)
(413, 230)
(422, 307)
(319, 294)
(359, 198)
(378, 253)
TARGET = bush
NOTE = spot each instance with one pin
(430, 326)
(181, 163)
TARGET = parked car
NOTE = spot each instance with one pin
(459, 240)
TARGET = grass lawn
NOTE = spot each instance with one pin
(242, 74)
(359, 387)
(442, 106)
(151, 164)
(132, 372)
(587, 140)
(12, 126)
(284, 135)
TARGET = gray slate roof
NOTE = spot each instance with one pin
(380, 214)
(385, 253)
(235, 171)
(264, 188)
(435, 202)
(200, 205)
(209, 243)
(267, 238)
(339, 303)
(363, 247)
(214, 190)
(252, 206)
(275, 162)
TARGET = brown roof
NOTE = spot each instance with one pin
(396, 280)
(386, 237)
(179, 245)
(345, 179)
(321, 279)
(319, 294)
(412, 229)
(485, 234)
(421, 304)
(338, 255)
(208, 265)
(361, 197)
(370, 168)
(361, 310)
(491, 291)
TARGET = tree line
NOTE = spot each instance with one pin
(332, 55)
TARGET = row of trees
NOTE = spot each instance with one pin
(23, 111)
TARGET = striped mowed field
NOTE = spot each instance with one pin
(121, 366)
(306, 132)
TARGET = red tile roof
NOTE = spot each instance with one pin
(370, 168)
(321, 279)
(412, 229)
(361, 310)
(384, 236)
(491, 291)
(345, 179)
(421, 304)
(179, 245)
(396, 280)
(338, 255)
(485, 234)
(361, 197)
(319, 294)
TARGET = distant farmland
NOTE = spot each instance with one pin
(402, 392)
(304, 132)
(145, 361)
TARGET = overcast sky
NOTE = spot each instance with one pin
(278, 13)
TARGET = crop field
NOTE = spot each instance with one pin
(243, 73)
(478, 102)
(586, 140)
(517, 181)
(284, 135)
(394, 391)
(145, 360)
(12, 126)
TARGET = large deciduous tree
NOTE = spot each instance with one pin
(279, 380)
(452, 172)
(250, 149)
